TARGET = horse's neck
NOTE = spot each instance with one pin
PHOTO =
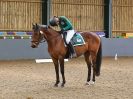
(52, 34)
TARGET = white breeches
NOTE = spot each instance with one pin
(70, 34)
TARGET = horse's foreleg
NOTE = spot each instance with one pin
(56, 64)
(62, 71)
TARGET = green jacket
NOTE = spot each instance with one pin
(65, 24)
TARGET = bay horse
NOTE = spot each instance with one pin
(92, 50)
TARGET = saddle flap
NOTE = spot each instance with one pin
(77, 39)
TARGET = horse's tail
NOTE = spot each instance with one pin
(99, 60)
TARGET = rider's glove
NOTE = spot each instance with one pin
(62, 31)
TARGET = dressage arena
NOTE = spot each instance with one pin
(25, 79)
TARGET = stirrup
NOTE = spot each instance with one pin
(74, 55)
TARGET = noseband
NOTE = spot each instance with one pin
(41, 40)
(43, 37)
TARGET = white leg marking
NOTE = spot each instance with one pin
(90, 83)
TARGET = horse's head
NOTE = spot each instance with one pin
(37, 35)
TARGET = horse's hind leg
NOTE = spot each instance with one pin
(88, 62)
(93, 58)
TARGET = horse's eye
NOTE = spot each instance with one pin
(46, 27)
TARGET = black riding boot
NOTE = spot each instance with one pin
(71, 47)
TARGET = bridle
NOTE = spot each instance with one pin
(41, 39)
(46, 39)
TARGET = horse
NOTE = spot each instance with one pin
(92, 50)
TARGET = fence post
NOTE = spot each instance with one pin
(108, 18)
(48, 10)
(44, 12)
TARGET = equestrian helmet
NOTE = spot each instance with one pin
(53, 21)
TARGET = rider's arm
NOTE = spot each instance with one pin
(68, 23)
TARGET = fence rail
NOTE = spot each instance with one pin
(122, 13)
(85, 15)
(88, 15)
(19, 15)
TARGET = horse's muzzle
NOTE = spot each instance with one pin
(34, 45)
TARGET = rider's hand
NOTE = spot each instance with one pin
(62, 31)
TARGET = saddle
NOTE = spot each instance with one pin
(76, 40)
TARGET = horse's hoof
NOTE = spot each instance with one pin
(87, 84)
(56, 85)
(62, 85)
(90, 83)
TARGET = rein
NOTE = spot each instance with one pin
(43, 37)
(46, 39)
(41, 40)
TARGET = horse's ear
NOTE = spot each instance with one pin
(33, 26)
(36, 24)
(49, 26)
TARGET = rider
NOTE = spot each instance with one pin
(66, 28)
